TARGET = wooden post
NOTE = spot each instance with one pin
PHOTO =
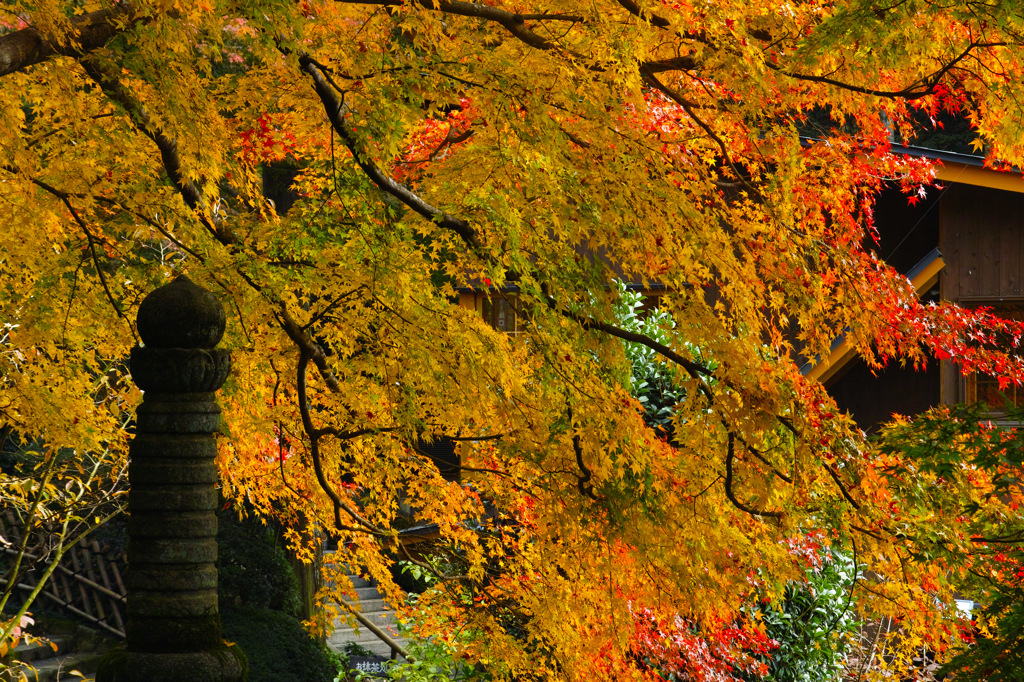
(173, 625)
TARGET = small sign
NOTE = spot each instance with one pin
(377, 666)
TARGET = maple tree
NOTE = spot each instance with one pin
(546, 148)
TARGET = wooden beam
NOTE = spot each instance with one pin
(1009, 181)
(923, 279)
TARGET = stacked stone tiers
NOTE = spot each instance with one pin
(173, 629)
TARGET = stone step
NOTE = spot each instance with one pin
(382, 619)
(375, 646)
(360, 636)
(364, 594)
(358, 583)
(371, 605)
(26, 653)
(59, 669)
(377, 605)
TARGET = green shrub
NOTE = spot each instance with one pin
(252, 567)
(276, 645)
(814, 623)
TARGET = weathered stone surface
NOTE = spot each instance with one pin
(170, 472)
(179, 370)
(218, 665)
(168, 635)
(173, 628)
(181, 315)
(172, 551)
(201, 403)
(173, 447)
(172, 498)
(168, 577)
(167, 525)
(176, 604)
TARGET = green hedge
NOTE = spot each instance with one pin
(276, 645)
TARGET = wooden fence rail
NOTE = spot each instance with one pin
(87, 583)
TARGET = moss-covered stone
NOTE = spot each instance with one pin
(177, 604)
(180, 550)
(173, 626)
(174, 471)
(222, 664)
(172, 524)
(181, 315)
(173, 498)
(173, 635)
(171, 577)
(174, 446)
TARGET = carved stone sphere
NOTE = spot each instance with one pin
(181, 315)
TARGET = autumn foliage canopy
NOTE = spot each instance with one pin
(541, 152)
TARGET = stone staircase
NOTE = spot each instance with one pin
(372, 606)
(40, 662)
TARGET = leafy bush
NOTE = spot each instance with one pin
(252, 568)
(653, 382)
(259, 600)
(433, 662)
(998, 657)
(277, 646)
(814, 623)
(805, 637)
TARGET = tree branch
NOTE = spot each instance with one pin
(680, 63)
(314, 451)
(646, 15)
(167, 146)
(307, 347)
(336, 110)
(582, 481)
(842, 488)
(729, 456)
(920, 88)
(27, 47)
(694, 369)
(90, 241)
(514, 23)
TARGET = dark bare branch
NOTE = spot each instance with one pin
(694, 369)
(336, 110)
(309, 348)
(90, 241)
(729, 457)
(355, 433)
(682, 63)
(920, 88)
(841, 486)
(583, 479)
(636, 10)
(27, 47)
(314, 450)
(496, 436)
(1016, 538)
(166, 145)
(512, 22)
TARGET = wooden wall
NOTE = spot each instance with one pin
(980, 233)
(981, 237)
(981, 240)
(873, 398)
